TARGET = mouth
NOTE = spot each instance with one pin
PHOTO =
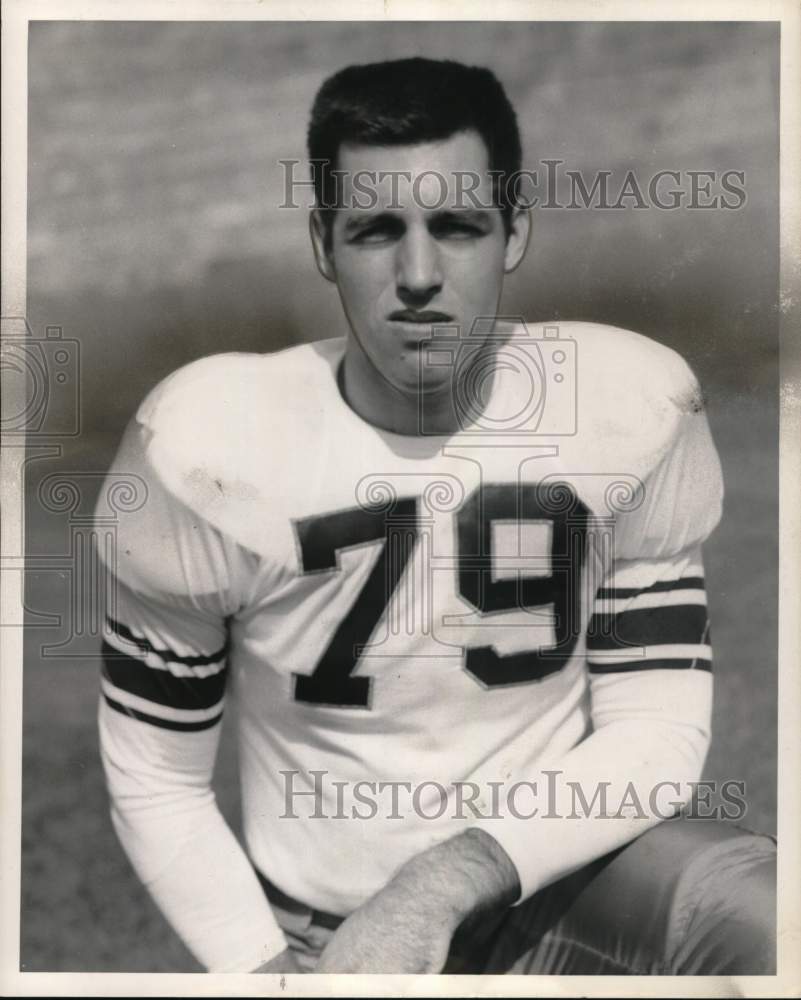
(415, 325)
(419, 317)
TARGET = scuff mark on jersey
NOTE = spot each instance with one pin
(210, 488)
(690, 400)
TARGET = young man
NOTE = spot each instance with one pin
(447, 573)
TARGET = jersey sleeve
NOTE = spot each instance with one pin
(165, 644)
(649, 664)
(175, 582)
(650, 612)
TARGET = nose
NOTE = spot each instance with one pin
(418, 268)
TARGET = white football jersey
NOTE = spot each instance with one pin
(389, 616)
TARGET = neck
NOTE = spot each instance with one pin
(388, 408)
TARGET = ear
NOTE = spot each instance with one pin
(324, 259)
(517, 242)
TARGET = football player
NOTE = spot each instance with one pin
(447, 575)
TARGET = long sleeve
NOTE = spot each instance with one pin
(166, 818)
(649, 663)
(165, 674)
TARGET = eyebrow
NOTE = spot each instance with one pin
(476, 216)
(356, 223)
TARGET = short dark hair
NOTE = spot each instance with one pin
(406, 101)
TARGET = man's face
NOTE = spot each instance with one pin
(422, 256)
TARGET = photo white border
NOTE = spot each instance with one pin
(16, 14)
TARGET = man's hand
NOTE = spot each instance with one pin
(394, 931)
(284, 961)
(407, 926)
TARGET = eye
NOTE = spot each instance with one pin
(455, 229)
(380, 231)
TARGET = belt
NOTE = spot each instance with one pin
(275, 895)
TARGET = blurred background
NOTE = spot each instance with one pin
(155, 237)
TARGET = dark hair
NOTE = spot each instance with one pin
(408, 101)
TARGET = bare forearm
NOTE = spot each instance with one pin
(407, 926)
(468, 872)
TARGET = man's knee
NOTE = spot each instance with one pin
(689, 897)
(723, 914)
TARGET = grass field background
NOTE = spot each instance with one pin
(155, 237)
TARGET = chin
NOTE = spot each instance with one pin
(432, 388)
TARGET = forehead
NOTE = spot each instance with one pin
(419, 176)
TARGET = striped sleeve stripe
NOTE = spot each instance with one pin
(161, 687)
(681, 583)
(669, 624)
(118, 647)
(668, 651)
(162, 723)
(648, 599)
(626, 666)
(166, 655)
(669, 656)
(164, 713)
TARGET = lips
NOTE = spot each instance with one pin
(422, 317)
